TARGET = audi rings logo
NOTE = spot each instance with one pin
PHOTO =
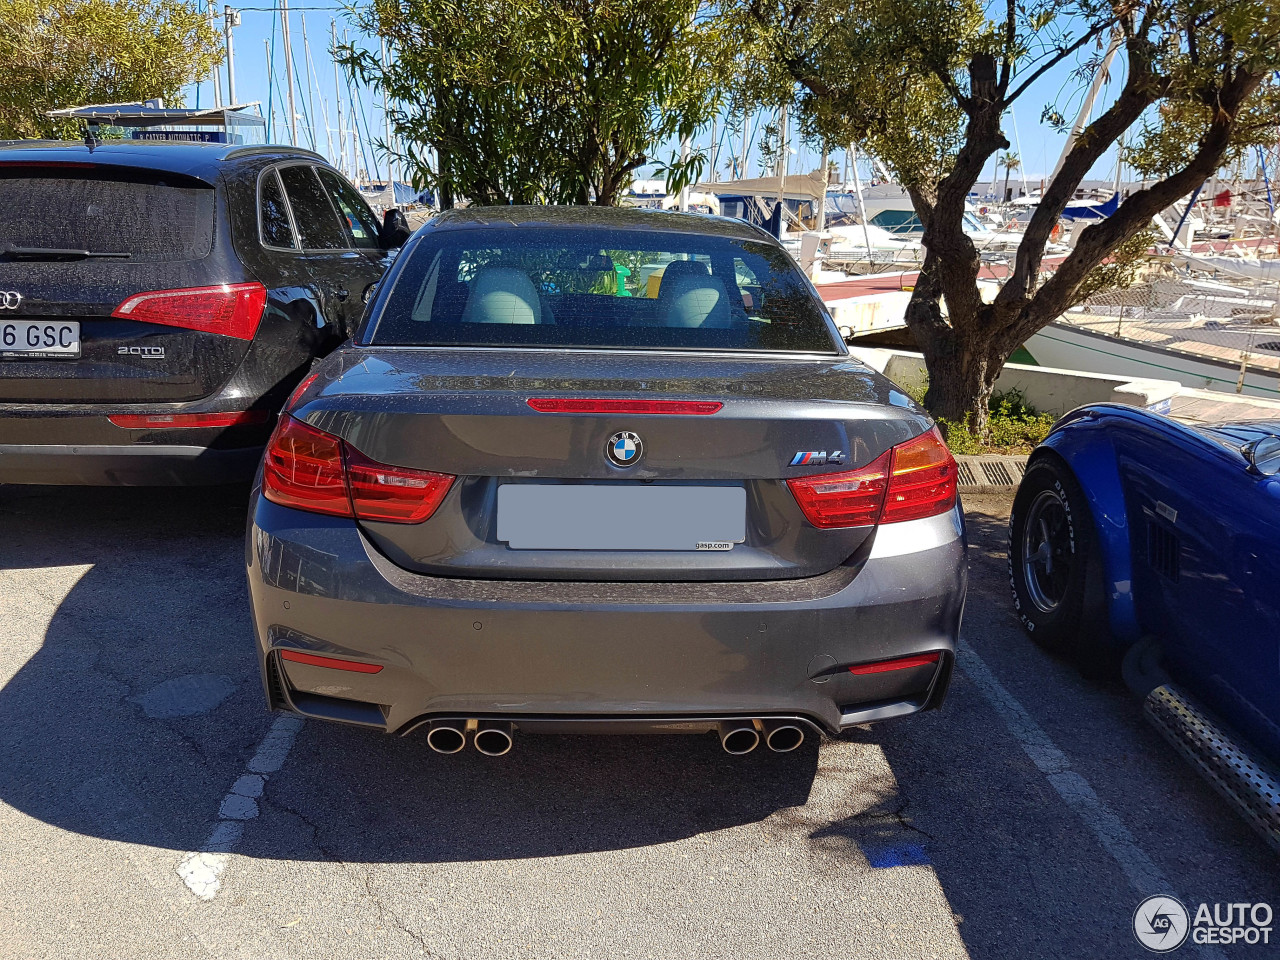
(9, 299)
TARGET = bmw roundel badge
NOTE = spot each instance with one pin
(624, 449)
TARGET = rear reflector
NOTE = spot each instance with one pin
(231, 309)
(312, 470)
(697, 408)
(163, 421)
(915, 479)
(312, 660)
(902, 663)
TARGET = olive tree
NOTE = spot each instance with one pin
(926, 85)
(63, 53)
(520, 101)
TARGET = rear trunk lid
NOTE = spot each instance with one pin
(145, 231)
(539, 494)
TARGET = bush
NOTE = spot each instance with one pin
(1015, 427)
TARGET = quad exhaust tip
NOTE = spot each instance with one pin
(782, 737)
(447, 736)
(494, 737)
(739, 736)
(742, 736)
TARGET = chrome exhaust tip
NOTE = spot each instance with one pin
(739, 736)
(782, 737)
(494, 737)
(447, 736)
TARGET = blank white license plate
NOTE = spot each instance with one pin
(40, 338)
(577, 516)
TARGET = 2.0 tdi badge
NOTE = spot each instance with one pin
(624, 449)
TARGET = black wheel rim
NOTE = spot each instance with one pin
(1048, 551)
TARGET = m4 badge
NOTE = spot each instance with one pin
(808, 458)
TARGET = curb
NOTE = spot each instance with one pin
(990, 474)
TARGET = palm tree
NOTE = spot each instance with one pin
(1010, 162)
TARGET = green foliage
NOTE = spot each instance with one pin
(521, 101)
(63, 53)
(926, 86)
(1013, 427)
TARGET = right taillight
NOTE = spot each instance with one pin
(231, 309)
(915, 479)
(309, 469)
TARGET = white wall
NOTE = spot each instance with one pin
(1046, 389)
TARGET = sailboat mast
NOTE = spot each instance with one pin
(1086, 108)
(337, 96)
(288, 71)
(386, 126)
(314, 90)
(310, 97)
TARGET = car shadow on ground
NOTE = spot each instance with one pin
(143, 704)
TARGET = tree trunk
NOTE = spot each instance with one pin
(960, 383)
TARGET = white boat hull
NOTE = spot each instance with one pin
(1070, 348)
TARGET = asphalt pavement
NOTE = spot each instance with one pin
(151, 807)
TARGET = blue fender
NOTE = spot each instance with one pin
(1083, 439)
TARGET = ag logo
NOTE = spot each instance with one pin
(1161, 924)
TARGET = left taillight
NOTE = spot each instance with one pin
(230, 309)
(912, 480)
(309, 469)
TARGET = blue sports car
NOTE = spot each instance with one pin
(1134, 536)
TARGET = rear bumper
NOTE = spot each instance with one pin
(599, 656)
(126, 464)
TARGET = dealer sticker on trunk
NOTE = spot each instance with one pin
(713, 545)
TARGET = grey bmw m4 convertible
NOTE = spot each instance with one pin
(602, 471)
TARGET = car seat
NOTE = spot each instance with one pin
(502, 295)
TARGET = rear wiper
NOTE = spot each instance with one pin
(59, 253)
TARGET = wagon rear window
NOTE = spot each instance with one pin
(148, 215)
(511, 286)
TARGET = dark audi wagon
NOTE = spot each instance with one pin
(159, 301)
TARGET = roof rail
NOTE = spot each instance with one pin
(251, 149)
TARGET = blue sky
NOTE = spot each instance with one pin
(1037, 144)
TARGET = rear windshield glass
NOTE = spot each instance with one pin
(601, 288)
(150, 216)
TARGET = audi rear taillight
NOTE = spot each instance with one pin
(312, 470)
(231, 309)
(915, 479)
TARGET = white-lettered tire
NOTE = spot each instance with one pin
(1055, 568)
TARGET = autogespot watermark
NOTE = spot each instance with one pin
(1162, 924)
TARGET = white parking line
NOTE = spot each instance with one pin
(1144, 876)
(201, 870)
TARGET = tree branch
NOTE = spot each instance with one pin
(1057, 59)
